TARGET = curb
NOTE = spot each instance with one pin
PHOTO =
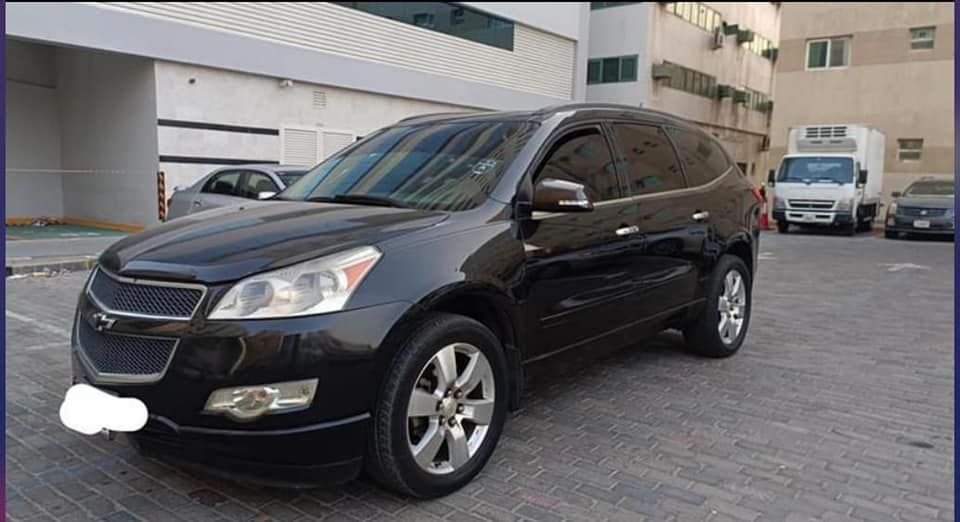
(46, 267)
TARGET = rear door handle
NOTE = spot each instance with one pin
(626, 231)
(701, 216)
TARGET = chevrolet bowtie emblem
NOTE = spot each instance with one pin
(101, 322)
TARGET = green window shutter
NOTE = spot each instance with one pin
(816, 55)
(611, 70)
(593, 71)
(628, 69)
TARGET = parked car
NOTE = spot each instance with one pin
(925, 207)
(379, 312)
(231, 186)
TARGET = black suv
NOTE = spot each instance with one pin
(379, 313)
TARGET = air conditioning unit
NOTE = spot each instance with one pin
(724, 91)
(740, 96)
(661, 71)
(771, 53)
(744, 36)
(716, 41)
(730, 29)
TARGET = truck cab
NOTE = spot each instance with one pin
(831, 176)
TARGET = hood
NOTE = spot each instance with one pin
(234, 242)
(926, 201)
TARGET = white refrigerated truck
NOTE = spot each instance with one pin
(832, 175)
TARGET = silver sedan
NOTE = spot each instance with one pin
(231, 186)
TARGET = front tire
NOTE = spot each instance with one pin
(889, 234)
(441, 409)
(720, 330)
(783, 227)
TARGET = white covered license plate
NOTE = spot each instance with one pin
(921, 223)
(89, 410)
(809, 217)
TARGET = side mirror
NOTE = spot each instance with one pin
(862, 178)
(266, 195)
(896, 194)
(772, 178)
(556, 195)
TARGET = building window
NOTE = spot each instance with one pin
(759, 44)
(828, 53)
(758, 101)
(909, 149)
(443, 17)
(604, 5)
(922, 37)
(612, 70)
(691, 81)
(696, 13)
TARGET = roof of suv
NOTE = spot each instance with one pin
(607, 109)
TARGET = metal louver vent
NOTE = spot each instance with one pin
(826, 132)
(319, 99)
(299, 146)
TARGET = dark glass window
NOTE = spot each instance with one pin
(444, 17)
(703, 158)
(583, 157)
(224, 183)
(689, 80)
(612, 70)
(604, 5)
(648, 158)
(449, 166)
(254, 183)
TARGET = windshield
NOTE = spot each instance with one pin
(439, 167)
(824, 169)
(289, 177)
(930, 188)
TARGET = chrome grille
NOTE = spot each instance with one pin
(144, 298)
(921, 212)
(124, 358)
(811, 204)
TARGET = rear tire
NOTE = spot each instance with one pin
(849, 229)
(889, 234)
(726, 301)
(783, 227)
(450, 367)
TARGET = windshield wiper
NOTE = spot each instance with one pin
(360, 199)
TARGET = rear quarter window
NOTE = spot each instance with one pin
(704, 160)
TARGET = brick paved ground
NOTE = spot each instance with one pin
(839, 407)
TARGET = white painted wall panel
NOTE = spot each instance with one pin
(541, 63)
(32, 185)
(177, 141)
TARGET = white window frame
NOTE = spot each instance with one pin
(901, 150)
(932, 39)
(829, 41)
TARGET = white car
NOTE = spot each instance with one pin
(231, 186)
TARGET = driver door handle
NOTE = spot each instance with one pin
(626, 231)
(197, 204)
(701, 216)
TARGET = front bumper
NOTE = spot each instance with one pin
(813, 217)
(321, 444)
(937, 225)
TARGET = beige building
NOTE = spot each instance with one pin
(887, 65)
(712, 63)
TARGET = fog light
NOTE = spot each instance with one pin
(891, 221)
(246, 403)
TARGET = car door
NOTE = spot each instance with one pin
(664, 212)
(253, 183)
(577, 275)
(219, 191)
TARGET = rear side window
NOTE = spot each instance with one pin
(256, 183)
(583, 156)
(224, 183)
(648, 159)
(701, 155)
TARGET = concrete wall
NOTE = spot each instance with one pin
(905, 93)
(230, 98)
(32, 186)
(108, 116)
(622, 31)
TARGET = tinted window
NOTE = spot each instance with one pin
(583, 157)
(223, 183)
(439, 166)
(702, 157)
(648, 159)
(254, 184)
(815, 169)
(930, 188)
(290, 177)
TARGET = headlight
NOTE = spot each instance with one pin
(779, 203)
(315, 287)
(892, 209)
(246, 403)
(845, 204)
(949, 213)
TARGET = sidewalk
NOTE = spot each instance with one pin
(55, 247)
